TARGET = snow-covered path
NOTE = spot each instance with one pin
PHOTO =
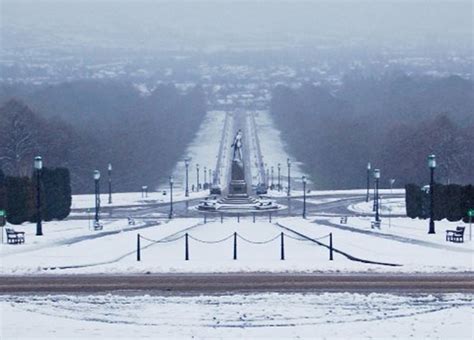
(272, 315)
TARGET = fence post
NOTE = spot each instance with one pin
(205, 218)
(235, 246)
(330, 247)
(282, 255)
(253, 217)
(222, 218)
(270, 217)
(186, 247)
(238, 218)
(138, 248)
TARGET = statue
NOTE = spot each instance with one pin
(237, 145)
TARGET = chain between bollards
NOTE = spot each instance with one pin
(282, 250)
(186, 247)
(138, 248)
(330, 248)
(235, 246)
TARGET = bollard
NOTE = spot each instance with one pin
(235, 246)
(270, 217)
(186, 247)
(138, 248)
(253, 217)
(238, 218)
(222, 217)
(330, 247)
(205, 218)
(282, 255)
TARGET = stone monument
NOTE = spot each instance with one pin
(238, 186)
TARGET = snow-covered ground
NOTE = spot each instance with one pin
(203, 150)
(71, 244)
(394, 206)
(274, 151)
(122, 199)
(272, 315)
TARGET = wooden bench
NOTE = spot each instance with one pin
(456, 236)
(375, 224)
(15, 237)
(343, 220)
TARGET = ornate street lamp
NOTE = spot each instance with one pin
(289, 178)
(304, 196)
(110, 182)
(368, 181)
(279, 178)
(432, 166)
(377, 178)
(97, 195)
(186, 164)
(171, 197)
(197, 177)
(38, 169)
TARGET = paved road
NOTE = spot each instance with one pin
(239, 282)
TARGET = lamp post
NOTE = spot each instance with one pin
(38, 168)
(171, 197)
(110, 182)
(376, 198)
(186, 164)
(271, 177)
(289, 180)
(304, 196)
(97, 194)
(279, 180)
(205, 178)
(210, 177)
(432, 166)
(197, 175)
(368, 181)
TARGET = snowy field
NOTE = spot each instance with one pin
(73, 245)
(394, 206)
(127, 199)
(272, 315)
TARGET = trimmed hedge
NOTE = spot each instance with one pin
(19, 196)
(450, 201)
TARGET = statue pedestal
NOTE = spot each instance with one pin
(238, 186)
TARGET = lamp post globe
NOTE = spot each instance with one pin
(38, 164)
(304, 196)
(432, 166)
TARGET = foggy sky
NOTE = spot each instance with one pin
(161, 24)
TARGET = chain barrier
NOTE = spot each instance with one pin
(163, 240)
(211, 242)
(258, 242)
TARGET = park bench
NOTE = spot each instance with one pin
(343, 220)
(455, 235)
(15, 237)
(375, 224)
(131, 221)
(98, 225)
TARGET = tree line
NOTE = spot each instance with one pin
(394, 122)
(18, 196)
(84, 125)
